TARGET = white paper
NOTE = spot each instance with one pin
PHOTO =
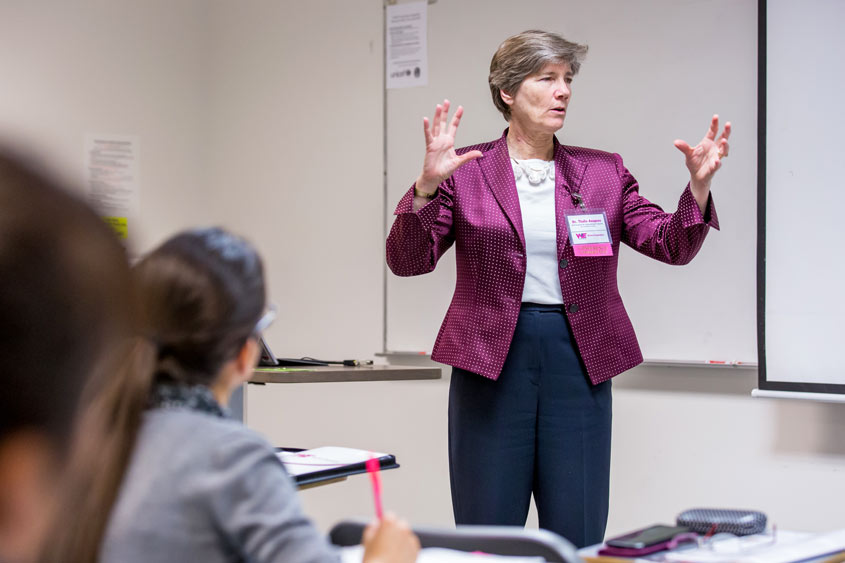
(407, 55)
(355, 554)
(320, 459)
(112, 164)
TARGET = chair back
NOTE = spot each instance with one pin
(498, 540)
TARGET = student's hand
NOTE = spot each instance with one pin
(704, 159)
(390, 540)
(441, 160)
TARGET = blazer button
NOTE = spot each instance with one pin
(563, 263)
(573, 308)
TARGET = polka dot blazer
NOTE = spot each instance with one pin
(477, 210)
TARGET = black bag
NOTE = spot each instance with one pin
(737, 522)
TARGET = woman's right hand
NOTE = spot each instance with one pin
(390, 540)
(441, 161)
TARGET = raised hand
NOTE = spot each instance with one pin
(441, 160)
(705, 158)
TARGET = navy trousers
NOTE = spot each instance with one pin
(541, 428)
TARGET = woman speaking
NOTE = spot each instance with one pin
(536, 328)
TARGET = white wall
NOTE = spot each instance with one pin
(295, 162)
(115, 67)
(694, 437)
(266, 116)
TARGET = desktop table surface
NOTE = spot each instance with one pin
(324, 374)
(782, 545)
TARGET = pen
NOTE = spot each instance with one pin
(373, 470)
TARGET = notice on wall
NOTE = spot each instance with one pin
(112, 165)
(407, 53)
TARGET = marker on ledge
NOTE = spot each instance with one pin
(373, 469)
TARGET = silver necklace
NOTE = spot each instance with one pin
(535, 174)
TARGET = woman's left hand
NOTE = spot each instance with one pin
(704, 159)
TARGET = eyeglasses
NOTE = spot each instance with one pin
(266, 320)
(731, 544)
(717, 547)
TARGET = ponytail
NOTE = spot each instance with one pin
(107, 428)
(200, 295)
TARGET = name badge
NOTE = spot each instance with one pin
(588, 233)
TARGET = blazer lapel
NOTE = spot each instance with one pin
(569, 173)
(498, 173)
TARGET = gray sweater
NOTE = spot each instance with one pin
(202, 488)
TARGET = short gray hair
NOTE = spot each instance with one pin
(524, 54)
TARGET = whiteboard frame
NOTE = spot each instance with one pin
(775, 389)
(737, 299)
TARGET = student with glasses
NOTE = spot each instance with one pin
(176, 479)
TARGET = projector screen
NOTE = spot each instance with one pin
(801, 308)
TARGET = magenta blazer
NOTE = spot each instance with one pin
(477, 209)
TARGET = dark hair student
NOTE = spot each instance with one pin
(178, 479)
(64, 302)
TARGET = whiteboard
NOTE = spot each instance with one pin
(655, 71)
(803, 265)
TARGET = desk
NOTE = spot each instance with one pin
(784, 547)
(326, 374)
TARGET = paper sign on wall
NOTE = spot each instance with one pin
(407, 53)
(112, 164)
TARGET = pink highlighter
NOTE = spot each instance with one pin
(373, 468)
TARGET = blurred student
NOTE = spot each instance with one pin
(177, 479)
(64, 283)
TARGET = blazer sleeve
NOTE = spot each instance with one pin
(255, 505)
(673, 238)
(418, 240)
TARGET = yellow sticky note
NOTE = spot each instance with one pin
(119, 225)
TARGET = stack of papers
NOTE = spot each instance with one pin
(355, 554)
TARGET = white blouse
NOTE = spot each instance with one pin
(535, 183)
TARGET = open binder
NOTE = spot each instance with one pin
(308, 467)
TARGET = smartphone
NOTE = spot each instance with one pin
(647, 536)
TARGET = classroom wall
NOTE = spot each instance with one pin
(266, 116)
(295, 162)
(111, 67)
